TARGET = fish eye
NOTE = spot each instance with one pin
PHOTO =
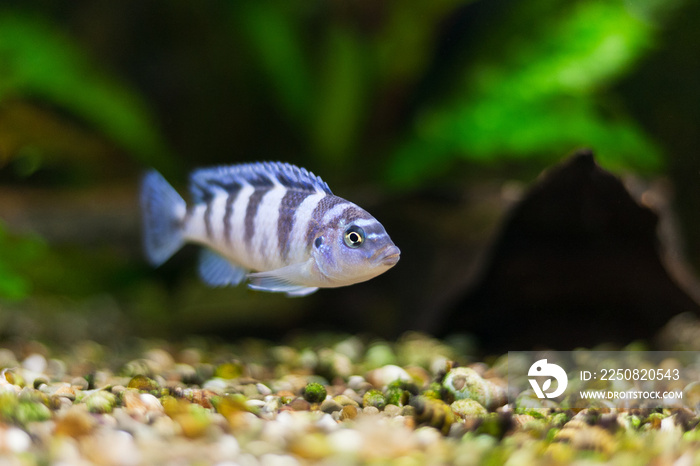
(318, 242)
(354, 236)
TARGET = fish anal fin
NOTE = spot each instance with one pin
(215, 270)
(282, 280)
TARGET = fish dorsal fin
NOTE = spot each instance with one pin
(207, 182)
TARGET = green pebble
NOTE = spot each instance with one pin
(379, 355)
(100, 402)
(27, 411)
(374, 398)
(315, 392)
(410, 387)
(468, 408)
(143, 383)
(397, 396)
(634, 421)
(229, 370)
(559, 419)
(493, 425)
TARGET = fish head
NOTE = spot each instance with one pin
(354, 250)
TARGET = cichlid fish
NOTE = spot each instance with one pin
(276, 224)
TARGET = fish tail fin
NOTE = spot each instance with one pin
(162, 213)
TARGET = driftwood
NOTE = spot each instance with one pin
(577, 263)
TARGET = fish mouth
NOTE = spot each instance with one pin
(388, 256)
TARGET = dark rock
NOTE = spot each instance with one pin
(576, 264)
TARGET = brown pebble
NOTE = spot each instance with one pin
(286, 394)
(66, 392)
(299, 404)
(348, 412)
(75, 423)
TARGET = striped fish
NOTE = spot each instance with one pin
(275, 224)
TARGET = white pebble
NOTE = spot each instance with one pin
(263, 389)
(112, 448)
(228, 446)
(346, 441)
(216, 385)
(15, 440)
(35, 363)
(255, 403)
(356, 381)
(327, 424)
(271, 459)
(150, 402)
(385, 375)
(438, 364)
(425, 436)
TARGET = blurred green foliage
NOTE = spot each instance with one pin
(360, 79)
(538, 92)
(533, 85)
(40, 63)
(20, 254)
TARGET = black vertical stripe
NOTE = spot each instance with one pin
(233, 190)
(208, 199)
(207, 219)
(251, 212)
(287, 215)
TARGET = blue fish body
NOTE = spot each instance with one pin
(277, 225)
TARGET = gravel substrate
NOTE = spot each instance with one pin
(331, 400)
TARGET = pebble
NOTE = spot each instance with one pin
(468, 408)
(391, 410)
(383, 376)
(111, 448)
(344, 400)
(465, 382)
(14, 440)
(253, 414)
(330, 406)
(140, 404)
(299, 404)
(75, 423)
(100, 402)
(348, 412)
(35, 363)
(346, 441)
(355, 382)
(374, 398)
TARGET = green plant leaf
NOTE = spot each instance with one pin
(538, 95)
(41, 63)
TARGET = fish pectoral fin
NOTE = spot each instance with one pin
(281, 280)
(216, 270)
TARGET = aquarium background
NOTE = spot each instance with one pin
(435, 116)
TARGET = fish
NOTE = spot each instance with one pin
(273, 224)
